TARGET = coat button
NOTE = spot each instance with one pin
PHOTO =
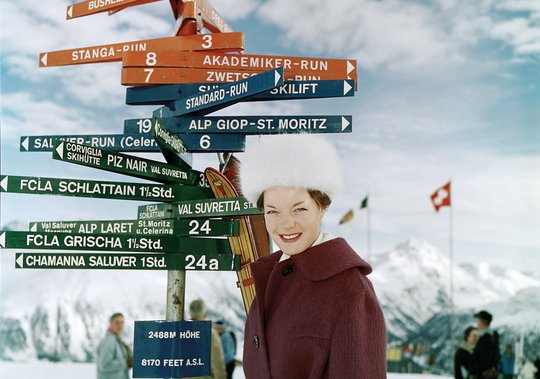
(287, 270)
(256, 341)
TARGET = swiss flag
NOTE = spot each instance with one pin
(441, 197)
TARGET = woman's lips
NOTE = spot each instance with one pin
(290, 238)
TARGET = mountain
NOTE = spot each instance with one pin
(412, 282)
(62, 314)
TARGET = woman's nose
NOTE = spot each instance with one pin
(287, 222)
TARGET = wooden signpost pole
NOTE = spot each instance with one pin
(176, 279)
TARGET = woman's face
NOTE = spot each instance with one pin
(293, 218)
(473, 338)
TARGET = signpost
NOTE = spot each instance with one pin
(224, 95)
(137, 143)
(122, 163)
(111, 242)
(113, 52)
(101, 261)
(242, 62)
(291, 90)
(89, 7)
(237, 206)
(98, 189)
(190, 227)
(134, 76)
(171, 349)
(247, 125)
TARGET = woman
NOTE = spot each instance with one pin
(315, 313)
(463, 356)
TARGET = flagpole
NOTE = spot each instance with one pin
(368, 234)
(451, 253)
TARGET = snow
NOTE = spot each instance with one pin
(412, 283)
(49, 370)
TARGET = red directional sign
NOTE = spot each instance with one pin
(89, 7)
(248, 62)
(133, 76)
(113, 52)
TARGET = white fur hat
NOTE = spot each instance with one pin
(290, 160)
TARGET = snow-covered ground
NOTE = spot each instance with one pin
(49, 370)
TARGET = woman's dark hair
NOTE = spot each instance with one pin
(322, 199)
(468, 332)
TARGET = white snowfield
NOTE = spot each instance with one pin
(49, 370)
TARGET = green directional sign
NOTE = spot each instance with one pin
(171, 146)
(249, 125)
(184, 227)
(100, 189)
(122, 163)
(111, 242)
(183, 262)
(237, 206)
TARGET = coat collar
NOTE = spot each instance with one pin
(319, 262)
(328, 259)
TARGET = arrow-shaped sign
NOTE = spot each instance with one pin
(3, 239)
(4, 183)
(344, 123)
(70, 11)
(33, 227)
(350, 67)
(60, 150)
(223, 95)
(19, 260)
(44, 59)
(346, 87)
(24, 144)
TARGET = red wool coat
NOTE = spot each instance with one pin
(315, 315)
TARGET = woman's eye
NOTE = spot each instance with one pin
(300, 209)
(271, 212)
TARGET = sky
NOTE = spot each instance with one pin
(447, 90)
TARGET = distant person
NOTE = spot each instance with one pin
(464, 354)
(228, 341)
(486, 356)
(199, 312)
(114, 357)
(507, 362)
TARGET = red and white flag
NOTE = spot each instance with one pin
(441, 197)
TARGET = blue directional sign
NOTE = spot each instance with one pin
(290, 90)
(223, 95)
(248, 125)
(171, 349)
(207, 143)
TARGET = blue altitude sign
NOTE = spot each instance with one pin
(171, 349)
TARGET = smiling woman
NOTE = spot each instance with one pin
(315, 313)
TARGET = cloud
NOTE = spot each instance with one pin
(399, 34)
(234, 9)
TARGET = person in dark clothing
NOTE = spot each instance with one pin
(463, 356)
(486, 356)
